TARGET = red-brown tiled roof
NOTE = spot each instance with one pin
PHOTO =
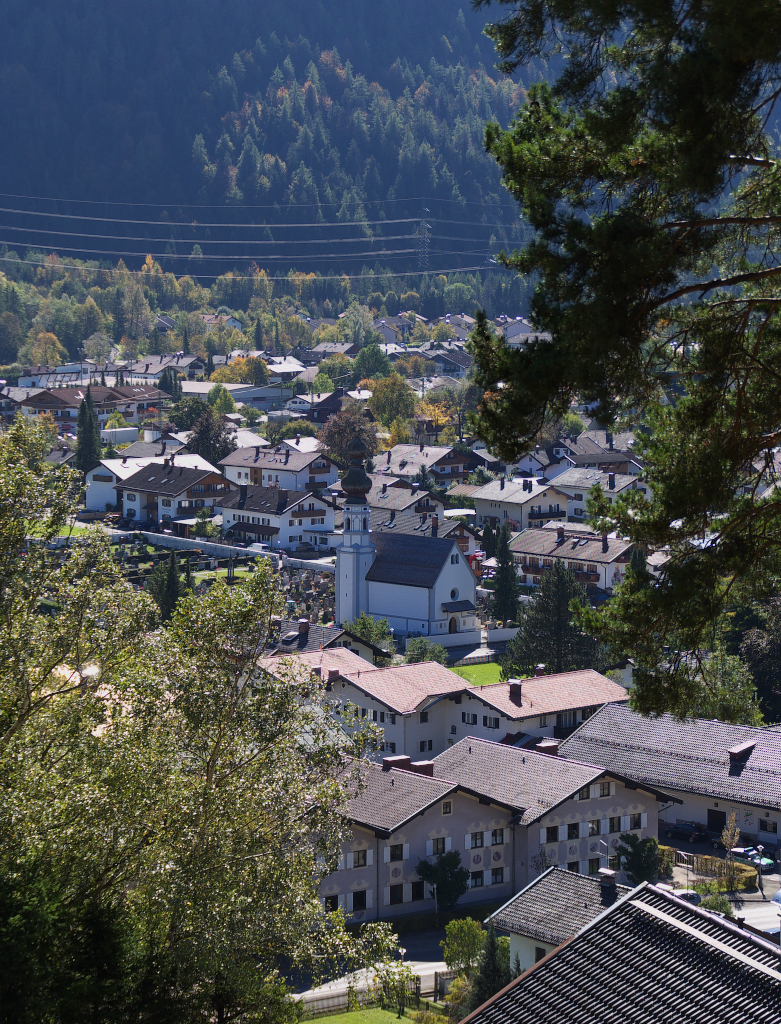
(546, 695)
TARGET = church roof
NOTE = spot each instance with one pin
(408, 560)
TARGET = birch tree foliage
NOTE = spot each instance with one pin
(648, 172)
(162, 775)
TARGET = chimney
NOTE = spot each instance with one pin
(287, 456)
(434, 525)
(384, 488)
(242, 492)
(741, 752)
(303, 626)
(257, 451)
(389, 456)
(609, 440)
(604, 542)
(400, 761)
(560, 535)
(548, 746)
(516, 692)
(539, 670)
(607, 880)
(124, 462)
(421, 446)
(501, 484)
(333, 675)
(611, 481)
(393, 514)
(173, 454)
(423, 768)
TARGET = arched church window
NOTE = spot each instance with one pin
(348, 524)
(364, 523)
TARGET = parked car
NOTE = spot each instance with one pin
(690, 895)
(750, 855)
(690, 830)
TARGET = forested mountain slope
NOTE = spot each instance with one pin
(368, 112)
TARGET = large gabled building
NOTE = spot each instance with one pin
(506, 810)
(284, 519)
(597, 560)
(711, 767)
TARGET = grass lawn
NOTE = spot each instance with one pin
(371, 1016)
(480, 675)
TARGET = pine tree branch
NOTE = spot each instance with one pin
(720, 282)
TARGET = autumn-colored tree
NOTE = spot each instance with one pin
(392, 399)
(242, 371)
(46, 350)
(340, 430)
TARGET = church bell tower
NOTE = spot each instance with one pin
(356, 554)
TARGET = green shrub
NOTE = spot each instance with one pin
(665, 860)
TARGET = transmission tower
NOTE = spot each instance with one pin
(423, 240)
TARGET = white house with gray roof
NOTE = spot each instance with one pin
(523, 503)
(711, 768)
(423, 586)
(577, 481)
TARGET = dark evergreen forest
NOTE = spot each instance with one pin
(284, 117)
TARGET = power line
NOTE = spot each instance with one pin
(188, 224)
(189, 256)
(246, 206)
(343, 224)
(218, 241)
(237, 277)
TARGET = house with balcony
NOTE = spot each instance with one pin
(576, 482)
(505, 809)
(280, 466)
(133, 402)
(597, 560)
(149, 369)
(284, 519)
(170, 492)
(446, 465)
(105, 482)
(522, 503)
(712, 768)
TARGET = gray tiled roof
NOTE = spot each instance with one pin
(389, 799)
(556, 905)
(278, 457)
(150, 449)
(408, 560)
(173, 480)
(691, 756)
(650, 958)
(287, 639)
(529, 782)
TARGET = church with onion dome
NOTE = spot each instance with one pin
(423, 586)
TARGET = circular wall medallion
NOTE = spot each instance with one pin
(395, 873)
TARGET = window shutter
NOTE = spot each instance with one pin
(448, 844)
(584, 867)
(341, 899)
(340, 866)
(468, 840)
(407, 892)
(604, 827)
(386, 855)
(429, 847)
(542, 837)
(487, 838)
(405, 852)
(562, 833)
(594, 791)
(624, 822)
(369, 857)
(386, 896)
(369, 898)
(643, 820)
(583, 829)
(348, 902)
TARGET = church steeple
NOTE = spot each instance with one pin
(357, 553)
(356, 484)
